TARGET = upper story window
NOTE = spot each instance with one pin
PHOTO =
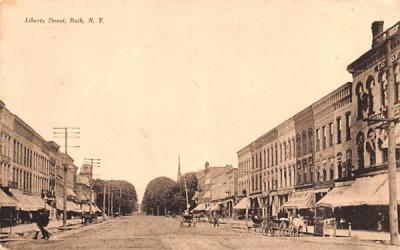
(339, 129)
(310, 140)
(318, 141)
(276, 154)
(348, 132)
(323, 137)
(280, 152)
(284, 151)
(304, 143)
(290, 149)
(298, 145)
(330, 134)
(397, 82)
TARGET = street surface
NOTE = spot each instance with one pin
(149, 232)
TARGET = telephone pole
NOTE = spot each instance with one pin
(391, 146)
(93, 163)
(120, 200)
(64, 133)
(104, 201)
(112, 203)
(109, 200)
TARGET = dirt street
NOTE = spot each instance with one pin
(148, 232)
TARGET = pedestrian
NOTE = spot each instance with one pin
(216, 220)
(42, 221)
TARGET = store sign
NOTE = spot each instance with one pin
(382, 64)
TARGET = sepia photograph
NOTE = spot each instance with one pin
(188, 124)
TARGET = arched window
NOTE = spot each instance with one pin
(324, 174)
(383, 84)
(397, 82)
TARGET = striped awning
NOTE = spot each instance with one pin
(27, 202)
(6, 201)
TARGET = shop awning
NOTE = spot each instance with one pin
(6, 201)
(207, 195)
(96, 209)
(71, 206)
(71, 192)
(214, 206)
(300, 200)
(372, 190)
(200, 207)
(27, 202)
(85, 208)
(243, 204)
(196, 195)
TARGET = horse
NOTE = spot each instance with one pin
(296, 227)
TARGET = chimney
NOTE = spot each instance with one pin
(376, 28)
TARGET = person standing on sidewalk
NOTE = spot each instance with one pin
(216, 220)
(42, 222)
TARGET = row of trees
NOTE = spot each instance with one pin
(121, 193)
(165, 196)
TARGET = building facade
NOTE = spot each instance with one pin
(31, 168)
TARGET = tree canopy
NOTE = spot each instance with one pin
(124, 195)
(164, 195)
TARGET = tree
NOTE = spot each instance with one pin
(123, 193)
(192, 187)
(159, 196)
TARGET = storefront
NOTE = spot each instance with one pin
(363, 203)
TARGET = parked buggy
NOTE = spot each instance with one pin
(276, 227)
(257, 222)
(188, 220)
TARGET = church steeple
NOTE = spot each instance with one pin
(179, 168)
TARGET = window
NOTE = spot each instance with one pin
(310, 140)
(304, 143)
(339, 130)
(284, 151)
(330, 134)
(276, 154)
(268, 156)
(397, 82)
(323, 137)
(265, 159)
(280, 152)
(348, 135)
(318, 139)
(272, 155)
(324, 174)
(290, 149)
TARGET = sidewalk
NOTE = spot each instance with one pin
(329, 232)
(25, 230)
(357, 234)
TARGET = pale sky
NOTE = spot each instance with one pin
(158, 79)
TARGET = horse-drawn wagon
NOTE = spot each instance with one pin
(188, 220)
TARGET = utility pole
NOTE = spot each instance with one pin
(112, 202)
(104, 201)
(93, 163)
(109, 200)
(120, 200)
(65, 131)
(391, 146)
